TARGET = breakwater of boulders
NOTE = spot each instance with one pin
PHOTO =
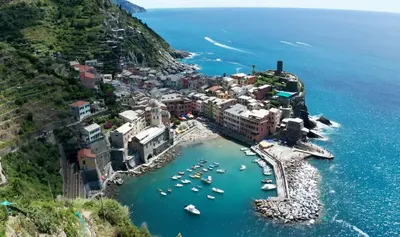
(303, 204)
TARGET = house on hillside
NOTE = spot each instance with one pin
(80, 110)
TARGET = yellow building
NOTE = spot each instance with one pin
(86, 159)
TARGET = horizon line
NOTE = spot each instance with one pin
(266, 7)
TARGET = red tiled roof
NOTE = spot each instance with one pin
(88, 75)
(86, 153)
(214, 88)
(79, 103)
(82, 68)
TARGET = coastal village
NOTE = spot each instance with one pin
(166, 109)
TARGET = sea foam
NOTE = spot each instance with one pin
(288, 43)
(305, 44)
(224, 46)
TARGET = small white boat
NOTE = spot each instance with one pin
(217, 190)
(192, 176)
(195, 189)
(198, 186)
(243, 167)
(192, 209)
(244, 149)
(178, 185)
(175, 177)
(216, 164)
(178, 176)
(181, 173)
(163, 193)
(205, 170)
(221, 171)
(210, 197)
(250, 153)
(189, 170)
(268, 187)
(185, 181)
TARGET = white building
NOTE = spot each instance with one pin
(80, 110)
(136, 118)
(228, 81)
(121, 136)
(91, 133)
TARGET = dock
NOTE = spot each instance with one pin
(315, 154)
(281, 182)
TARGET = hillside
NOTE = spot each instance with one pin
(37, 40)
(129, 6)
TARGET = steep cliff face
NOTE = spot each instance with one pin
(129, 6)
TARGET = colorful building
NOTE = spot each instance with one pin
(80, 110)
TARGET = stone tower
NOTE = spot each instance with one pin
(156, 117)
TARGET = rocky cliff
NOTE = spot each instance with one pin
(129, 6)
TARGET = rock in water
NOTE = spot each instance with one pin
(324, 120)
(313, 134)
(179, 54)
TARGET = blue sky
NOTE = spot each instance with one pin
(366, 5)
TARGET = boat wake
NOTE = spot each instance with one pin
(288, 43)
(224, 46)
(355, 228)
(305, 44)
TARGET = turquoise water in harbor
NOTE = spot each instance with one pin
(148, 204)
(349, 62)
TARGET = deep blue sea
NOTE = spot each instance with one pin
(350, 63)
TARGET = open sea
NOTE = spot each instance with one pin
(350, 63)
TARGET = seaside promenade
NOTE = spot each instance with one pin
(281, 182)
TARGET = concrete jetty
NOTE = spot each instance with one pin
(281, 182)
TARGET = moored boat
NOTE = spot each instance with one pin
(208, 180)
(192, 176)
(255, 160)
(198, 186)
(266, 181)
(244, 149)
(185, 181)
(192, 209)
(181, 173)
(250, 153)
(209, 168)
(221, 171)
(205, 170)
(175, 177)
(243, 167)
(163, 193)
(195, 189)
(159, 189)
(268, 187)
(217, 190)
(210, 197)
(178, 185)
(169, 190)
(189, 170)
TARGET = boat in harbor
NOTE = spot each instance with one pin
(243, 167)
(210, 168)
(202, 161)
(192, 176)
(244, 149)
(181, 173)
(178, 185)
(255, 160)
(216, 164)
(195, 189)
(208, 180)
(205, 170)
(192, 209)
(189, 170)
(201, 165)
(267, 171)
(159, 189)
(197, 176)
(217, 190)
(268, 187)
(169, 190)
(210, 197)
(185, 181)
(198, 186)
(163, 193)
(266, 181)
(178, 176)
(175, 177)
(250, 153)
(221, 171)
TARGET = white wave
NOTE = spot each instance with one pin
(192, 55)
(288, 43)
(305, 44)
(210, 53)
(224, 46)
(218, 60)
(238, 64)
(355, 228)
(197, 67)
